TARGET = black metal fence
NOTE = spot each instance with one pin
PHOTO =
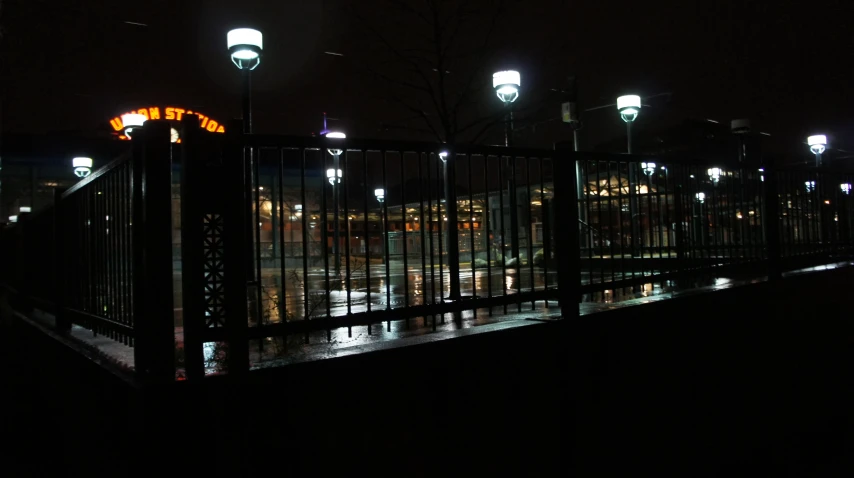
(100, 256)
(296, 239)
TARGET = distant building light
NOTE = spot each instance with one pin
(845, 187)
(13, 218)
(714, 174)
(330, 176)
(701, 197)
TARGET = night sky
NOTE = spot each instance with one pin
(72, 65)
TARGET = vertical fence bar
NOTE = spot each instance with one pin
(430, 222)
(386, 252)
(545, 219)
(421, 222)
(487, 227)
(348, 272)
(61, 264)
(306, 285)
(503, 232)
(367, 239)
(324, 235)
(279, 204)
(405, 233)
(472, 255)
(771, 223)
(529, 232)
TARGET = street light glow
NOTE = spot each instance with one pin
(714, 174)
(24, 209)
(810, 186)
(701, 197)
(845, 187)
(131, 121)
(443, 155)
(13, 218)
(629, 107)
(648, 168)
(336, 135)
(817, 143)
(245, 45)
(82, 166)
(330, 176)
(506, 84)
(380, 194)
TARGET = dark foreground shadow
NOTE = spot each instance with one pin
(753, 379)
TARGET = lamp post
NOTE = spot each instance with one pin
(506, 84)
(334, 176)
(629, 106)
(82, 166)
(817, 144)
(244, 46)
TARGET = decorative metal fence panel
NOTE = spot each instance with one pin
(373, 225)
(96, 220)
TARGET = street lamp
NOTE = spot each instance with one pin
(846, 188)
(13, 218)
(648, 168)
(336, 151)
(330, 176)
(334, 177)
(762, 174)
(380, 195)
(817, 143)
(701, 197)
(82, 166)
(629, 107)
(714, 174)
(810, 185)
(506, 84)
(443, 155)
(244, 46)
(131, 121)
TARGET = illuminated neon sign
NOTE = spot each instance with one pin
(170, 113)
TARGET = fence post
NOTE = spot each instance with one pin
(201, 213)
(566, 232)
(63, 326)
(237, 247)
(771, 221)
(154, 324)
